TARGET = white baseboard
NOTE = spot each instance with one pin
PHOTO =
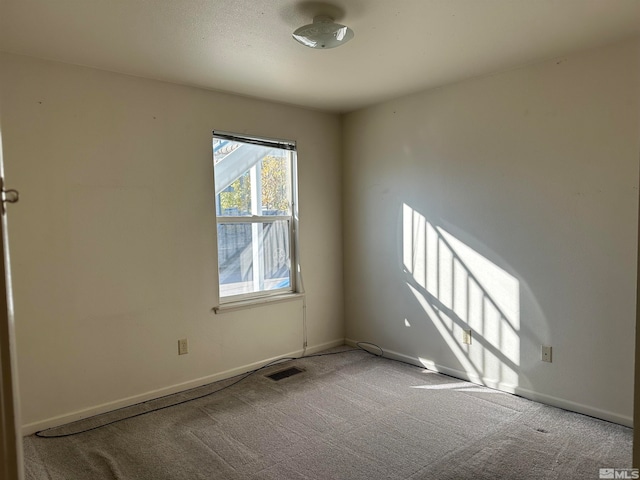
(510, 388)
(625, 420)
(30, 428)
(33, 427)
(324, 346)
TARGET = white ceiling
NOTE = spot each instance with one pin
(245, 46)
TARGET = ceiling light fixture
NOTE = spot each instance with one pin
(323, 33)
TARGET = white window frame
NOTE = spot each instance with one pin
(257, 221)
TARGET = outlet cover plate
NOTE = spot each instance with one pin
(545, 354)
(183, 346)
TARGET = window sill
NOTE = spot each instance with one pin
(256, 302)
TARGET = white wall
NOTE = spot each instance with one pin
(113, 241)
(526, 182)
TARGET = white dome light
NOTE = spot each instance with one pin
(323, 33)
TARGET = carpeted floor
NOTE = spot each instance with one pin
(347, 416)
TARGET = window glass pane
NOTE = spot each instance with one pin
(235, 200)
(276, 192)
(254, 257)
(251, 179)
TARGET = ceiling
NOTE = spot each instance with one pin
(245, 46)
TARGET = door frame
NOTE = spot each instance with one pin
(11, 456)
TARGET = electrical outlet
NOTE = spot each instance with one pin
(546, 353)
(183, 346)
(466, 337)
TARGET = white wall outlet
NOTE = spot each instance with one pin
(183, 346)
(546, 353)
(466, 337)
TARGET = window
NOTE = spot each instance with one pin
(255, 191)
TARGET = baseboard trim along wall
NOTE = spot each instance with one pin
(506, 387)
(31, 428)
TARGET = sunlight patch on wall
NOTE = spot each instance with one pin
(460, 289)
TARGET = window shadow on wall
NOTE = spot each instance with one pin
(459, 289)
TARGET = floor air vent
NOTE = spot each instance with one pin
(285, 373)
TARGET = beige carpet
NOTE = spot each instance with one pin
(347, 416)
